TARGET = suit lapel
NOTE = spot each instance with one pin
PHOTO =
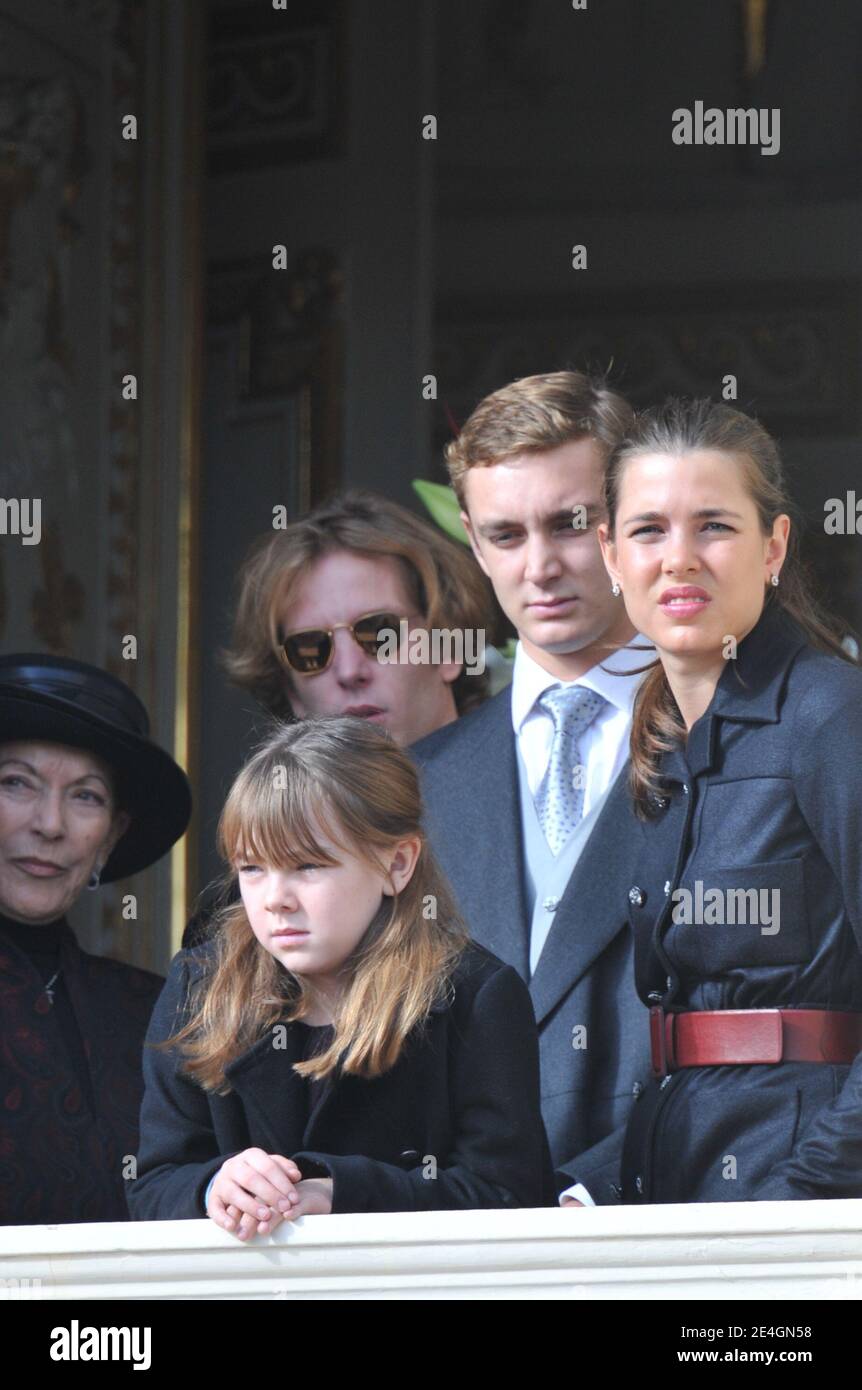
(490, 818)
(594, 906)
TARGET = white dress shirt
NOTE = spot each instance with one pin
(603, 748)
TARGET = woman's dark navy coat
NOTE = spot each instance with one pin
(766, 794)
(462, 1099)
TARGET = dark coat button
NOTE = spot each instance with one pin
(409, 1158)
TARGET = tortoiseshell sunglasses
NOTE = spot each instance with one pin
(310, 651)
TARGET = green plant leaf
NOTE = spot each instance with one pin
(442, 503)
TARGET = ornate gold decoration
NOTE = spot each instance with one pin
(754, 35)
(61, 602)
(16, 184)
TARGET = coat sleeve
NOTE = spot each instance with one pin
(827, 1160)
(598, 1169)
(177, 1151)
(499, 1154)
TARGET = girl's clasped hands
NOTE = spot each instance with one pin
(253, 1192)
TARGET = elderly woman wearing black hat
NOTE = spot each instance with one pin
(85, 797)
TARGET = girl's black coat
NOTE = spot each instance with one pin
(766, 795)
(463, 1095)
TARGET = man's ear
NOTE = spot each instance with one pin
(468, 527)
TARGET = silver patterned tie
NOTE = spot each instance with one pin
(560, 796)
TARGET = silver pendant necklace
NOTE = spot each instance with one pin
(47, 989)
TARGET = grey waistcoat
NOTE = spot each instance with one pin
(546, 875)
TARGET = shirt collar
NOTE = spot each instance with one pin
(530, 680)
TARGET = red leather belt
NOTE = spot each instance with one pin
(722, 1037)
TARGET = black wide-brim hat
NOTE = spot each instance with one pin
(59, 700)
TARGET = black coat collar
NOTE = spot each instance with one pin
(749, 690)
(751, 687)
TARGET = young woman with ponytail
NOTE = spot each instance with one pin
(746, 775)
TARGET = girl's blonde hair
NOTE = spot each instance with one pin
(680, 427)
(347, 779)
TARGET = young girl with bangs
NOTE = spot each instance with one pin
(338, 1044)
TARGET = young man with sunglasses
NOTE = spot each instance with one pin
(325, 608)
(328, 673)
(527, 798)
(326, 605)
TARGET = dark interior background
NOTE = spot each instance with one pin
(451, 257)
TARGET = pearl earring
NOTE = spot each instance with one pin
(773, 579)
(615, 589)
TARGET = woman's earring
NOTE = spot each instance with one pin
(95, 879)
(773, 579)
(615, 589)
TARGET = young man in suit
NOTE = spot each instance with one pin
(527, 798)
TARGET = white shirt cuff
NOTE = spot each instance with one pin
(580, 1193)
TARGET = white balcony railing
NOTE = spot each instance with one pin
(739, 1250)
